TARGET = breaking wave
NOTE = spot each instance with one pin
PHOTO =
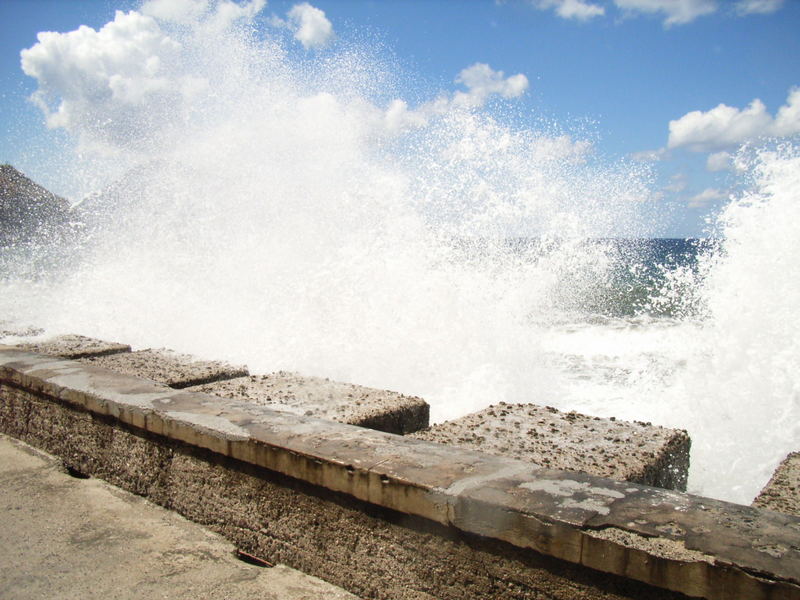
(282, 209)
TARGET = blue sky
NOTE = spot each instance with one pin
(613, 71)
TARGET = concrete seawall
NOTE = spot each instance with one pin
(386, 516)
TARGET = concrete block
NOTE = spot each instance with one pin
(621, 450)
(782, 493)
(325, 399)
(168, 367)
(74, 346)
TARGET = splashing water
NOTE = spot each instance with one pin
(744, 372)
(286, 212)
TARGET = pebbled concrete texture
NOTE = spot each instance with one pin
(62, 537)
(782, 492)
(621, 450)
(168, 367)
(325, 399)
(302, 395)
(74, 346)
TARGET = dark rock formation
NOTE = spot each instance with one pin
(140, 189)
(27, 210)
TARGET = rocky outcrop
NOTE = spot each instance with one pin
(144, 188)
(27, 210)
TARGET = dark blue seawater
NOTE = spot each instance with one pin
(639, 281)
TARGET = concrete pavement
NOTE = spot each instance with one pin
(64, 537)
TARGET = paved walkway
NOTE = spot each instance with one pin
(62, 537)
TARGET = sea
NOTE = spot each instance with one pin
(466, 255)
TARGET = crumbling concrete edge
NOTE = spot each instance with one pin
(710, 548)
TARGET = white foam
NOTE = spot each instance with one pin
(275, 220)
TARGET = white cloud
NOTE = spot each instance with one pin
(229, 12)
(725, 127)
(677, 12)
(481, 82)
(571, 9)
(310, 25)
(650, 155)
(175, 11)
(95, 82)
(133, 86)
(758, 7)
(705, 197)
(130, 82)
(398, 116)
(719, 161)
(720, 127)
(787, 121)
(215, 14)
(677, 183)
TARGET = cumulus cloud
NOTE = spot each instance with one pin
(135, 82)
(481, 82)
(571, 9)
(93, 82)
(128, 83)
(214, 14)
(677, 12)
(175, 11)
(650, 155)
(310, 25)
(719, 161)
(725, 127)
(757, 7)
(705, 197)
(227, 13)
(398, 116)
(674, 12)
(720, 127)
(677, 183)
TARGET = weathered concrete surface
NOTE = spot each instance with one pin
(168, 367)
(374, 553)
(621, 450)
(316, 397)
(62, 537)
(782, 493)
(573, 535)
(74, 346)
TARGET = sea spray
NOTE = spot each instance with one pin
(284, 210)
(279, 217)
(746, 372)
